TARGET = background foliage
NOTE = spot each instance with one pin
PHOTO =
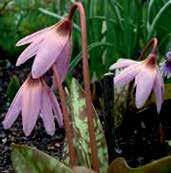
(116, 28)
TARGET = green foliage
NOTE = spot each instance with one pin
(26, 159)
(79, 169)
(76, 102)
(160, 13)
(13, 87)
(124, 25)
(30, 160)
(19, 18)
(163, 165)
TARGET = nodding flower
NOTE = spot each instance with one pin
(166, 66)
(49, 46)
(147, 78)
(34, 98)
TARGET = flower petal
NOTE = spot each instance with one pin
(144, 83)
(166, 69)
(126, 75)
(158, 91)
(168, 55)
(51, 48)
(47, 113)
(33, 37)
(31, 103)
(56, 109)
(13, 110)
(62, 63)
(29, 52)
(122, 63)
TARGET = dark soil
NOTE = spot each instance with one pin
(140, 139)
(143, 136)
(39, 138)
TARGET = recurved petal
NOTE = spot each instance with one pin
(31, 103)
(51, 49)
(56, 109)
(144, 84)
(29, 52)
(127, 75)
(33, 37)
(13, 110)
(47, 113)
(62, 63)
(158, 91)
(122, 63)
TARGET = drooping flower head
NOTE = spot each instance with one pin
(34, 98)
(166, 66)
(147, 78)
(49, 46)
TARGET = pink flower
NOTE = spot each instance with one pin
(147, 78)
(34, 98)
(50, 45)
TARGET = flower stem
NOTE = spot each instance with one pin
(86, 78)
(67, 119)
(152, 43)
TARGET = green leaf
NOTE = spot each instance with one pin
(92, 46)
(162, 165)
(15, 20)
(13, 87)
(30, 160)
(157, 17)
(77, 106)
(49, 13)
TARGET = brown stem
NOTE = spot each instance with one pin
(86, 79)
(152, 43)
(67, 120)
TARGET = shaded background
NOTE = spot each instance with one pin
(116, 29)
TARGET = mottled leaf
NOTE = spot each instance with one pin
(163, 165)
(30, 160)
(77, 106)
(79, 169)
(121, 101)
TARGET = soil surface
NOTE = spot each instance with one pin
(141, 138)
(144, 136)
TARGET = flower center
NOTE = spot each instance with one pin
(151, 60)
(64, 28)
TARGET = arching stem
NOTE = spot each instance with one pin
(67, 119)
(152, 43)
(86, 78)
